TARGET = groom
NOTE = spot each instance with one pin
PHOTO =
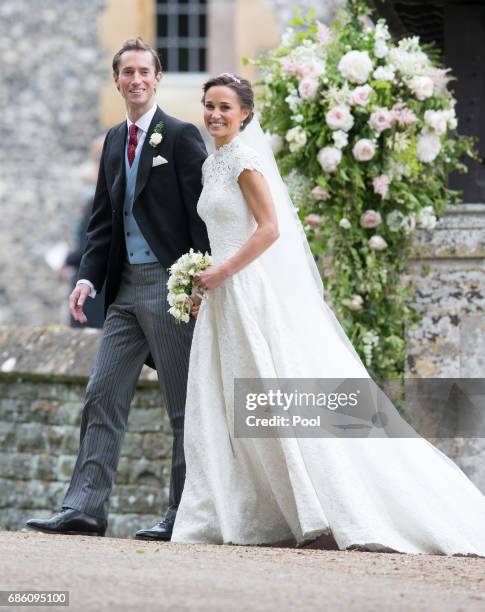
(144, 217)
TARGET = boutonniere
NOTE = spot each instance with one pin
(157, 136)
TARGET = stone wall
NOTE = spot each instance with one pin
(42, 386)
(52, 72)
(448, 277)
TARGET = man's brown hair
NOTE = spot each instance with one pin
(136, 44)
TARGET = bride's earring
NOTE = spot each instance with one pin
(242, 124)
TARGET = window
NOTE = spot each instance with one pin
(182, 35)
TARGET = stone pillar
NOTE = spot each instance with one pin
(448, 276)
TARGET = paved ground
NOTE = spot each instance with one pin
(117, 575)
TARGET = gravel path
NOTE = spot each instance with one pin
(117, 575)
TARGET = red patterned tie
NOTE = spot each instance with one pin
(132, 143)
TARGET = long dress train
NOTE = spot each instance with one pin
(399, 494)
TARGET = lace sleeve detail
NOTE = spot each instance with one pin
(245, 158)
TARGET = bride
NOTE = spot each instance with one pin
(263, 317)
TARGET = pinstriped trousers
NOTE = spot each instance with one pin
(137, 323)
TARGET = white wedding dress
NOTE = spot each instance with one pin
(399, 494)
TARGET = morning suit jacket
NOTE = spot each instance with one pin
(164, 203)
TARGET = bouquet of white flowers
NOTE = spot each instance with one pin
(181, 283)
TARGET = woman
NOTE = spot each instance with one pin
(264, 317)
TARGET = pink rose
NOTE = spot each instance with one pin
(339, 118)
(370, 219)
(381, 185)
(308, 88)
(364, 150)
(314, 221)
(381, 119)
(361, 95)
(319, 193)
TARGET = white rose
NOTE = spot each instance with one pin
(345, 223)
(308, 88)
(341, 139)
(355, 66)
(409, 223)
(377, 243)
(394, 220)
(356, 302)
(384, 73)
(297, 138)
(381, 119)
(422, 87)
(364, 150)
(428, 148)
(339, 118)
(329, 158)
(275, 142)
(426, 218)
(361, 95)
(155, 139)
(438, 120)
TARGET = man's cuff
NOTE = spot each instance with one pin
(89, 284)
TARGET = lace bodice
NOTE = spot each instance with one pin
(222, 205)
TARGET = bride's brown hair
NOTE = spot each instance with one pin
(243, 90)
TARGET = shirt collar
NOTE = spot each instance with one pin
(143, 123)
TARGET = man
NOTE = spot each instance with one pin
(144, 217)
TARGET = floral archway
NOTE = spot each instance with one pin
(365, 132)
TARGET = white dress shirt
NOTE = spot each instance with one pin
(143, 123)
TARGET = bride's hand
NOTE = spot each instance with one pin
(196, 301)
(211, 278)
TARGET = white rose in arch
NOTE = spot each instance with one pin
(438, 120)
(356, 66)
(345, 223)
(364, 150)
(377, 243)
(340, 139)
(356, 302)
(329, 158)
(422, 87)
(428, 147)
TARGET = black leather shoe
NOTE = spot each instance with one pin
(162, 530)
(72, 522)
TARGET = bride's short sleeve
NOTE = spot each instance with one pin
(246, 158)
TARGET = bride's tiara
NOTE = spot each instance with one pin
(231, 76)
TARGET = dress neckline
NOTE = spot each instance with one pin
(229, 145)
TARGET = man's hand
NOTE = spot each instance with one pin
(76, 302)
